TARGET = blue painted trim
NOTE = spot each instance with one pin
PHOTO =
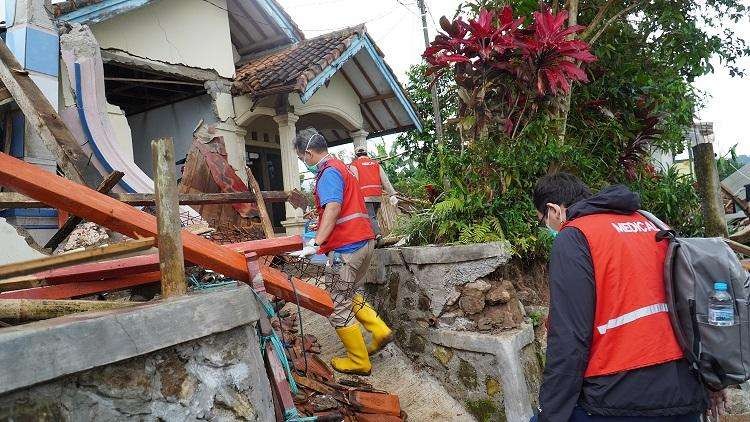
(102, 11)
(18, 132)
(363, 41)
(273, 11)
(15, 39)
(395, 86)
(31, 212)
(42, 52)
(87, 131)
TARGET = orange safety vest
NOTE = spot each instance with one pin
(631, 323)
(369, 176)
(353, 223)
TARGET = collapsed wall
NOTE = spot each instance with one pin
(454, 315)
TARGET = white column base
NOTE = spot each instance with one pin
(294, 225)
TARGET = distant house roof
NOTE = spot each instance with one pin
(306, 66)
(736, 181)
(254, 25)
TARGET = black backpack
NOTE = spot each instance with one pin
(721, 355)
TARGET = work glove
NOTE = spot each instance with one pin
(309, 249)
(393, 200)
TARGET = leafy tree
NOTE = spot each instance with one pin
(639, 97)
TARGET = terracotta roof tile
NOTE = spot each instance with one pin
(293, 67)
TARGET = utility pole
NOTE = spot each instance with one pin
(434, 90)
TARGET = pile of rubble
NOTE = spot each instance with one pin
(319, 394)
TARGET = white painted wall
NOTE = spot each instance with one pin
(175, 121)
(189, 32)
(338, 99)
(122, 130)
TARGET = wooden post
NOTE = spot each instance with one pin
(265, 219)
(171, 259)
(707, 180)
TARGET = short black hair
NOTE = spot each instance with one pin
(559, 188)
(310, 139)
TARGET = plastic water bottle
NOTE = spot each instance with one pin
(720, 306)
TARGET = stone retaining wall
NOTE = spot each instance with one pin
(468, 329)
(193, 358)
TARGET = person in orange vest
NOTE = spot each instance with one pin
(372, 182)
(611, 352)
(344, 234)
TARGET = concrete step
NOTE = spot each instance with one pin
(422, 397)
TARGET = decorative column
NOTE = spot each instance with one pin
(359, 137)
(290, 168)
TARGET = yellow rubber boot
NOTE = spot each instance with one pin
(357, 361)
(366, 315)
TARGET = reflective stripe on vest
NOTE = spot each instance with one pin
(631, 328)
(368, 171)
(632, 316)
(354, 224)
(352, 217)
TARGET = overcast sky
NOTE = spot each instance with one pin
(396, 27)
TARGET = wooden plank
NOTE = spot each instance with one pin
(379, 97)
(171, 259)
(265, 219)
(122, 218)
(39, 309)
(73, 221)
(85, 288)
(57, 261)
(42, 117)
(96, 271)
(17, 200)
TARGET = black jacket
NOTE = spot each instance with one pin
(662, 390)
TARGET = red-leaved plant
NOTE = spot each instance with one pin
(506, 72)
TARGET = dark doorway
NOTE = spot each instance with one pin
(266, 167)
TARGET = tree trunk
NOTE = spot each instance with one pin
(707, 180)
(563, 105)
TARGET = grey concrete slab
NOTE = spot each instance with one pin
(45, 350)
(422, 255)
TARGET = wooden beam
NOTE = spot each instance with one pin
(265, 219)
(17, 200)
(73, 221)
(379, 97)
(36, 310)
(43, 117)
(152, 81)
(122, 218)
(81, 289)
(57, 261)
(171, 259)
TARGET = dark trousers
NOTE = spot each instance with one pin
(580, 415)
(372, 211)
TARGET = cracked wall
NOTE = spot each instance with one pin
(216, 378)
(189, 32)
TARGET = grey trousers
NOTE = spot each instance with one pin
(351, 273)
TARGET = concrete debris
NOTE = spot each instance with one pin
(15, 247)
(87, 235)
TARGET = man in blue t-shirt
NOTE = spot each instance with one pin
(345, 234)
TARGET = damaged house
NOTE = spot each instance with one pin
(124, 72)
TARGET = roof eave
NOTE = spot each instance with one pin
(102, 11)
(363, 41)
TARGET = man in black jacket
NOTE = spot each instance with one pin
(665, 391)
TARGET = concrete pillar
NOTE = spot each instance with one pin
(290, 168)
(360, 138)
(34, 40)
(234, 140)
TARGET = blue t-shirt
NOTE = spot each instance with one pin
(330, 188)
